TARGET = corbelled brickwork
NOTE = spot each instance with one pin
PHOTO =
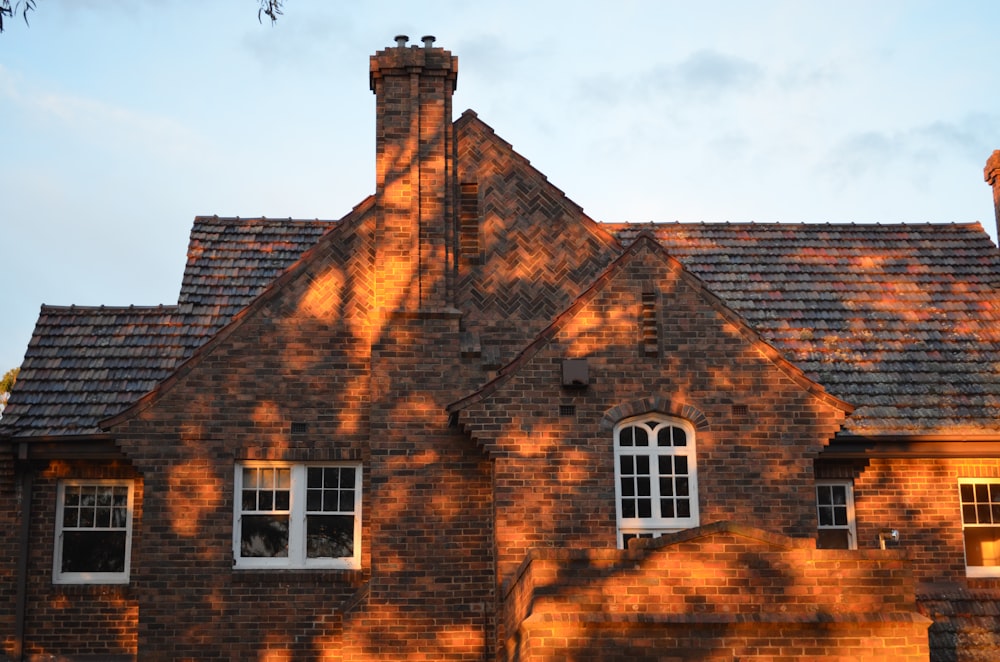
(414, 164)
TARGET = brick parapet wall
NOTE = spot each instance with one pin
(721, 576)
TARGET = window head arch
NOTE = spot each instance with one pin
(656, 479)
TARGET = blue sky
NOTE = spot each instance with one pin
(120, 120)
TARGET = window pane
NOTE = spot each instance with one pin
(329, 536)
(281, 499)
(645, 508)
(982, 546)
(347, 477)
(982, 492)
(87, 518)
(628, 487)
(840, 516)
(264, 535)
(966, 492)
(680, 437)
(665, 465)
(684, 507)
(680, 465)
(265, 500)
(969, 513)
(314, 499)
(347, 501)
(71, 517)
(93, 551)
(642, 484)
(625, 437)
(628, 468)
(667, 508)
(666, 486)
(983, 512)
(663, 437)
(682, 487)
(825, 516)
(824, 495)
(315, 477)
(839, 494)
(641, 437)
(628, 508)
(249, 500)
(642, 465)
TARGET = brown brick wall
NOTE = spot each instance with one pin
(291, 361)
(10, 521)
(76, 620)
(555, 474)
(432, 593)
(919, 497)
(538, 249)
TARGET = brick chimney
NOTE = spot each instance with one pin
(992, 175)
(415, 175)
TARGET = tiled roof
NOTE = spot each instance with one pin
(903, 321)
(86, 364)
(231, 260)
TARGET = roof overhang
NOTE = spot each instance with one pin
(85, 447)
(917, 446)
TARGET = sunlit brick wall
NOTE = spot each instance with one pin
(728, 593)
(555, 473)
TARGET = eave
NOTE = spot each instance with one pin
(985, 445)
(85, 447)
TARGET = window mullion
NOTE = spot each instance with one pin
(655, 477)
(297, 516)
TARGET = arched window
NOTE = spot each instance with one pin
(656, 482)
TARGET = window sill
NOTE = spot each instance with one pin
(982, 572)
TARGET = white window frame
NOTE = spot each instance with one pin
(656, 525)
(60, 577)
(297, 540)
(850, 526)
(978, 570)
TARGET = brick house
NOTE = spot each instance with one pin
(468, 422)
